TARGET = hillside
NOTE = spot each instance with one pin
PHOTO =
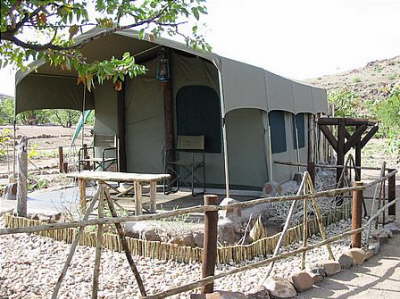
(5, 96)
(372, 92)
(373, 82)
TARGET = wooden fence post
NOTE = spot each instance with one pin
(356, 214)
(22, 186)
(82, 194)
(60, 159)
(210, 242)
(65, 167)
(311, 147)
(392, 193)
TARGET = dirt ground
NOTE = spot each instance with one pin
(379, 278)
(43, 145)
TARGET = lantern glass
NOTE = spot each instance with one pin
(163, 69)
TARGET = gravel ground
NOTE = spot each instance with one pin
(30, 265)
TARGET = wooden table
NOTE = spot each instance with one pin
(102, 177)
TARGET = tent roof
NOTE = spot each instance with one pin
(243, 85)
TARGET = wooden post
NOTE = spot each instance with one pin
(22, 162)
(310, 148)
(392, 193)
(356, 214)
(340, 149)
(153, 191)
(82, 194)
(138, 198)
(357, 161)
(124, 243)
(169, 116)
(99, 244)
(305, 233)
(210, 242)
(121, 110)
(74, 245)
(60, 159)
(65, 167)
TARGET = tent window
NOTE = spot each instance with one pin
(199, 114)
(298, 119)
(278, 131)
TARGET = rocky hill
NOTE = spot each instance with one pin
(374, 82)
(5, 96)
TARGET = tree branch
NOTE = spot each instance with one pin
(10, 36)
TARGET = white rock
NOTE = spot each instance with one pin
(357, 255)
(331, 267)
(302, 281)
(232, 212)
(279, 287)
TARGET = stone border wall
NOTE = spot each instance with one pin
(186, 254)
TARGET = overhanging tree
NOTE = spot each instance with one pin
(45, 29)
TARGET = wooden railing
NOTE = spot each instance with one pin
(210, 210)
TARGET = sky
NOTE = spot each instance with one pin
(298, 39)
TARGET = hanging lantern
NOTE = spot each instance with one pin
(163, 68)
(118, 85)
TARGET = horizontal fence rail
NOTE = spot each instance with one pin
(295, 164)
(207, 280)
(197, 209)
(169, 251)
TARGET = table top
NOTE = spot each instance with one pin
(118, 176)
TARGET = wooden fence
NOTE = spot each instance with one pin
(186, 254)
(102, 196)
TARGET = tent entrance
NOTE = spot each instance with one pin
(198, 113)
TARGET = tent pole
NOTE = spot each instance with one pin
(14, 142)
(14, 129)
(224, 139)
(267, 142)
(121, 112)
(169, 133)
(83, 114)
(297, 141)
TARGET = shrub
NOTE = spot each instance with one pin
(4, 139)
(388, 113)
(6, 111)
(345, 102)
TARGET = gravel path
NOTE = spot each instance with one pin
(379, 277)
(30, 265)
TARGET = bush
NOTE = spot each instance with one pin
(4, 139)
(346, 103)
(6, 111)
(387, 112)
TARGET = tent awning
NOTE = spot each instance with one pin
(243, 85)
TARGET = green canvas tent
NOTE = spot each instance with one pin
(247, 114)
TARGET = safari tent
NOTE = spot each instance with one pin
(248, 116)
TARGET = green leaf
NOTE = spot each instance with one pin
(195, 13)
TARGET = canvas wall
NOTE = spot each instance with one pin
(145, 123)
(247, 146)
(246, 149)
